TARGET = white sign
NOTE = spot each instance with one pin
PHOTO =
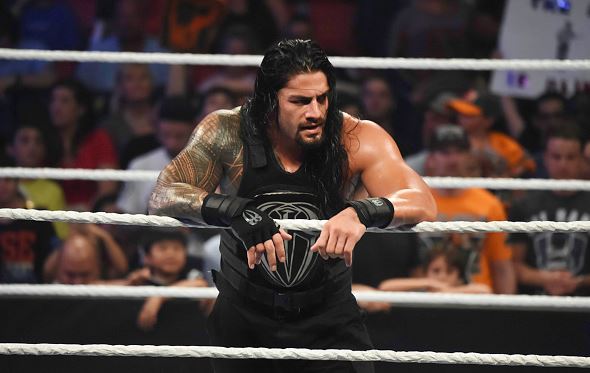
(544, 29)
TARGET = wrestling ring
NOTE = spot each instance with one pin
(424, 300)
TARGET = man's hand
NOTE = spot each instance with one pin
(274, 249)
(260, 235)
(560, 283)
(339, 236)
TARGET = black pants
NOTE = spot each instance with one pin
(239, 322)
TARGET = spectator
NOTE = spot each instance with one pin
(549, 111)
(126, 236)
(166, 264)
(486, 258)
(299, 27)
(382, 256)
(24, 244)
(263, 18)
(349, 102)
(437, 113)
(238, 79)
(378, 102)
(430, 29)
(32, 74)
(51, 23)
(29, 149)
(501, 155)
(22, 83)
(82, 145)
(442, 273)
(216, 98)
(549, 262)
(129, 36)
(174, 128)
(87, 246)
(132, 122)
(76, 263)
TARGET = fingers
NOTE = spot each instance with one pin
(251, 254)
(284, 235)
(273, 248)
(348, 248)
(277, 240)
(320, 244)
(271, 255)
(260, 249)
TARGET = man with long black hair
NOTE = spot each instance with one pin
(288, 153)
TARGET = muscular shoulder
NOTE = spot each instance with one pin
(366, 141)
(218, 131)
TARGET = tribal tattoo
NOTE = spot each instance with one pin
(212, 158)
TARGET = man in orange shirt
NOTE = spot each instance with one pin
(486, 259)
(500, 154)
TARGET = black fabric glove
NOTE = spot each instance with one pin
(373, 212)
(251, 225)
(254, 226)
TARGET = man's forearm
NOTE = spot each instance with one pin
(178, 200)
(529, 276)
(412, 206)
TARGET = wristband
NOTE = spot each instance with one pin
(220, 209)
(373, 212)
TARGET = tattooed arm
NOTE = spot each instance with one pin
(214, 148)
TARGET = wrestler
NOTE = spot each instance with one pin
(288, 153)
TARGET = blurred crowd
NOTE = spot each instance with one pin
(140, 116)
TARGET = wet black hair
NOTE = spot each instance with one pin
(328, 164)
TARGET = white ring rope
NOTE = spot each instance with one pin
(398, 299)
(294, 224)
(426, 357)
(337, 61)
(434, 182)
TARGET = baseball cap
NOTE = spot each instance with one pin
(485, 105)
(440, 103)
(449, 135)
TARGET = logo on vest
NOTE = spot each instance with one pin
(299, 260)
(251, 217)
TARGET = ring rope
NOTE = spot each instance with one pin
(294, 353)
(434, 182)
(398, 299)
(294, 224)
(337, 61)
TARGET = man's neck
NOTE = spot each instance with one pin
(289, 153)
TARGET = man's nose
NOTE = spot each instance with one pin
(313, 111)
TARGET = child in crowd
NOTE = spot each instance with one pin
(24, 244)
(442, 273)
(30, 148)
(166, 264)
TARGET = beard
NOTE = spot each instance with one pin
(313, 143)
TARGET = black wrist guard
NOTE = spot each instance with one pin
(219, 209)
(373, 212)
